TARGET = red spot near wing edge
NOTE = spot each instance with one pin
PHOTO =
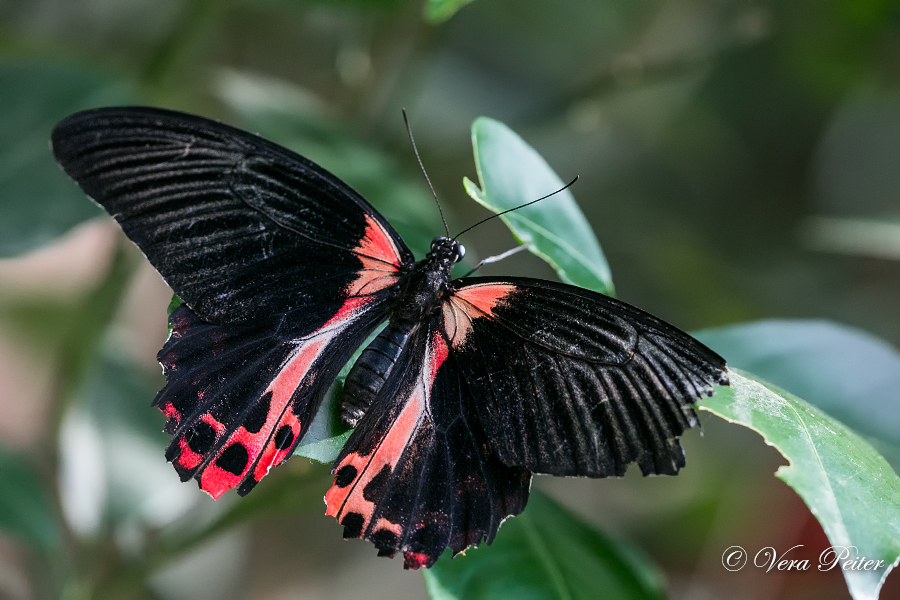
(170, 411)
(415, 560)
(215, 481)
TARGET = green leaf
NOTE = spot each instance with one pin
(545, 553)
(846, 484)
(325, 450)
(327, 434)
(438, 11)
(38, 202)
(846, 372)
(25, 507)
(512, 173)
(174, 303)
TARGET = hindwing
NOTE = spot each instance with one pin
(240, 397)
(419, 474)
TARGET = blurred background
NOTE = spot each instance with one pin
(738, 160)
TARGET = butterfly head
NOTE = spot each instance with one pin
(445, 248)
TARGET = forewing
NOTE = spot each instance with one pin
(240, 397)
(418, 474)
(571, 382)
(239, 227)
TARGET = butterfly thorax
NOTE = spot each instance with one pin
(428, 283)
(423, 291)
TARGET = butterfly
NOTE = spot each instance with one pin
(472, 386)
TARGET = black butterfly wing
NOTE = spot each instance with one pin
(418, 474)
(283, 269)
(238, 226)
(571, 382)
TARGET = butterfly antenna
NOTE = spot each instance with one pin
(568, 185)
(424, 172)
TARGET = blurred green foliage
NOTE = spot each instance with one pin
(727, 152)
(38, 206)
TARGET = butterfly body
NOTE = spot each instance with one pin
(473, 385)
(421, 292)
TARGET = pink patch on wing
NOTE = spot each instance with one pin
(378, 244)
(470, 303)
(484, 297)
(380, 260)
(350, 499)
(340, 501)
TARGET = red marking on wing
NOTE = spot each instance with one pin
(392, 527)
(414, 560)
(188, 459)
(484, 297)
(469, 303)
(215, 480)
(263, 446)
(341, 501)
(380, 258)
(439, 353)
(348, 310)
(378, 243)
(170, 411)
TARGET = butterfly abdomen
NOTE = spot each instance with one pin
(372, 369)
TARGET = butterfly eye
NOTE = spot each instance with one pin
(439, 242)
(460, 252)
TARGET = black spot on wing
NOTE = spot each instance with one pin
(200, 438)
(233, 459)
(385, 541)
(258, 413)
(375, 488)
(353, 525)
(284, 438)
(345, 476)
